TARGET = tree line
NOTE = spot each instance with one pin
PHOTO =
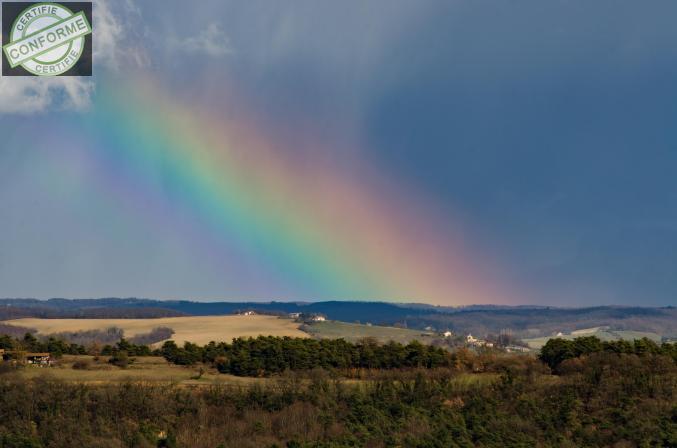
(558, 350)
(29, 343)
(92, 342)
(266, 355)
(269, 355)
(57, 347)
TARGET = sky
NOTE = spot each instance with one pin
(447, 152)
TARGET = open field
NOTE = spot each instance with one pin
(156, 370)
(601, 332)
(146, 369)
(354, 332)
(198, 329)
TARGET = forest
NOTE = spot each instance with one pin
(580, 393)
(268, 355)
(601, 399)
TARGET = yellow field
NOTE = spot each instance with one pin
(198, 329)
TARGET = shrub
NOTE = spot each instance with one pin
(82, 364)
(6, 367)
(120, 359)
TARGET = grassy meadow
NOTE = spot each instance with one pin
(144, 369)
(196, 329)
(156, 370)
(355, 332)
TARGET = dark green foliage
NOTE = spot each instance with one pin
(58, 345)
(558, 350)
(188, 355)
(130, 349)
(268, 355)
(6, 342)
(120, 359)
(29, 343)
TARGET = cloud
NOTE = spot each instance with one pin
(116, 25)
(211, 41)
(28, 95)
(109, 32)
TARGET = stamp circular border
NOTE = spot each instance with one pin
(81, 39)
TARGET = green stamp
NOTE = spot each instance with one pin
(47, 39)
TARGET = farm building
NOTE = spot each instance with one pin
(517, 348)
(28, 358)
(41, 359)
(475, 342)
(312, 317)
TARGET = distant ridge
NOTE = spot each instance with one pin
(524, 321)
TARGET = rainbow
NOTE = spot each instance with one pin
(324, 230)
